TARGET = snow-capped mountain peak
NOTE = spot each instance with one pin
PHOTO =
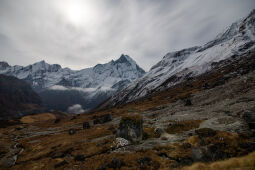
(43, 75)
(236, 40)
(103, 78)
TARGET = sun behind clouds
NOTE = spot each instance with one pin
(78, 12)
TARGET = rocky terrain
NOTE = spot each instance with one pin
(195, 109)
(202, 119)
(58, 86)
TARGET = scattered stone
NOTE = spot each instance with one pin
(74, 117)
(218, 82)
(249, 116)
(186, 145)
(72, 131)
(202, 141)
(251, 125)
(57, 120)
(158, 131)
(115, 163)
(205, 86)
(196, 154)
(79, 158)
(131, 128)
(102, 119)
(163, 154)
(61, 164)
(146, 161)
(185, 161)
(187, 102)
(86, 125)
(205, 132)
(66, 153)
(19, 128)
(214, 153)
(102, 167)
(249, 146)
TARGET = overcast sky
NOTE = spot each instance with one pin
(83, 33)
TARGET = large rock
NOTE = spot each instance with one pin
(205, 132)
(86, 125)
(102, 119)
(116, 163)
(249, 116)
(131, 128)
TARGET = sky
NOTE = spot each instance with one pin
(82, 33)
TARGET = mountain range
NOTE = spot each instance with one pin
(60, 87)
(175, 67)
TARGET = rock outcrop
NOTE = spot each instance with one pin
(131, 128)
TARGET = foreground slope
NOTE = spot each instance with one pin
(176, 67)
(212, 126)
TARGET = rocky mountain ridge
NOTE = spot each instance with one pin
(93, 83)
(175, 67)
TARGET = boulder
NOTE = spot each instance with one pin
(187, 102)
(196, 154)
(249, 116)
(158, 132)
(144, 162)
(115, 163)
(120, 142)
(57, 120)
(72, 131)
(207, 153)
(86, 125)
(186, 145)
(131, 128)
(102, 119)
(251, 125)
(62, 163)
(205, 132)
(79, 158)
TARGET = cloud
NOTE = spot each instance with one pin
(83, 33)
(77, 109)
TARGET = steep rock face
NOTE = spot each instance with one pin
(94, 84)
(178, 66)
(17, 98)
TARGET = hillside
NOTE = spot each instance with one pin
(178, 66)
(204, 119)
(17, 98)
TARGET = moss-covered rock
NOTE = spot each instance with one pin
(131, 127)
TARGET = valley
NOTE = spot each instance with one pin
(211, 126)
(194, 109)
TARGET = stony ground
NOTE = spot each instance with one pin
(192, 122)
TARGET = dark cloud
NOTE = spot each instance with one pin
(82, 33)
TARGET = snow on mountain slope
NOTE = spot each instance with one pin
(95, 81)
(103, 76)
(238, 39)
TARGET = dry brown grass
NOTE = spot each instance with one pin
(135, 118)
(245, 163)
(149, 132)
(38, 118)
(181, 126)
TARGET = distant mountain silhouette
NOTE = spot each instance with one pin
(17, 98)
